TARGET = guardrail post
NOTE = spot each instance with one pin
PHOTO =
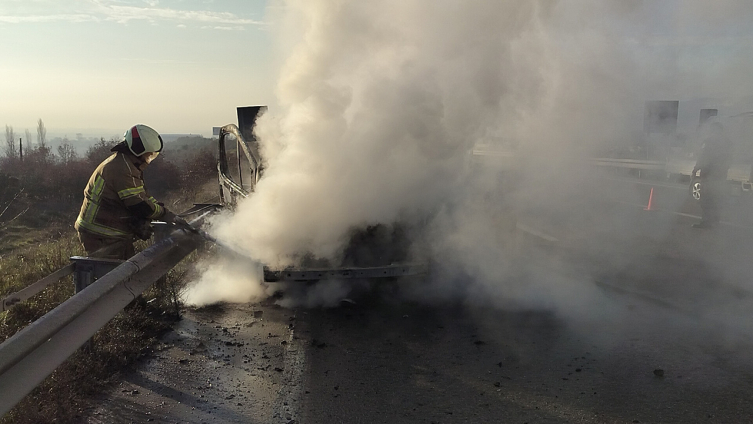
(87, 270)
(82, 276)
(162, 230)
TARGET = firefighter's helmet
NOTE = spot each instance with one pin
(143, 140)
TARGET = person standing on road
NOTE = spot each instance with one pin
(713, 164)
(116, 205)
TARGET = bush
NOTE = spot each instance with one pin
(199, 168)
(100, 151)
(43, 178)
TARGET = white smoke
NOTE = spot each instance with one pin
(226, 279)
(380, 102)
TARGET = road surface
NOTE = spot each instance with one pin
(636, 318)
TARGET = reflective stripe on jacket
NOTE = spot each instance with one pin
(116, 184)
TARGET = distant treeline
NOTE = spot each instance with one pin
(46, 175)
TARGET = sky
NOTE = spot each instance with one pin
(99, 66)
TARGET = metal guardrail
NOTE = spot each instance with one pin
(33, 353)
(21, 295)
(84, 269)
(389, 271)
(513, 158)
(654, 165)
(738, 173)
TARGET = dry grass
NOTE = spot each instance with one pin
(63, 396)
(23, 266)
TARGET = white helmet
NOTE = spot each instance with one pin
(141, 139)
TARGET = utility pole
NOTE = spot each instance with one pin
(21, 149)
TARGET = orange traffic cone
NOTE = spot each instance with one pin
(650, 201)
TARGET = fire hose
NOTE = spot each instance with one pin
(186, 227)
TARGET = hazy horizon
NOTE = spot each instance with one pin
(98, 67)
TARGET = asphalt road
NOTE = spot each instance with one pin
(635, 318)
(412, 364)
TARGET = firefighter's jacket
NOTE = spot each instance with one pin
(715, 158)
(115, 197)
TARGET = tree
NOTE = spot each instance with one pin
(66, 152)
(27, 141)
(100, 151)
(10, 143)
(41, 134)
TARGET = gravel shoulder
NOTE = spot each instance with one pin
(223, 364)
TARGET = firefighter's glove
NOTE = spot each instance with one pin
(168, 217)
(142, 229)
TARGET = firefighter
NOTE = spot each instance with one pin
(713, 164)
(117, 207)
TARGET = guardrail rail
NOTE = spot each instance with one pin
(29, 356)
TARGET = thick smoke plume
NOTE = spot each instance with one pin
(380, 102)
